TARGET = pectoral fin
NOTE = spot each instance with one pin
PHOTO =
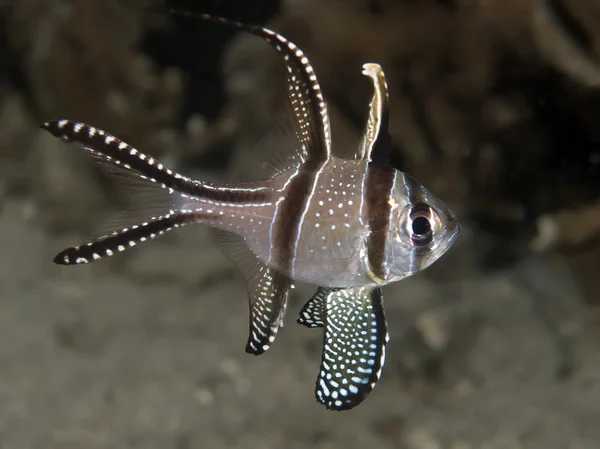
(311, 314)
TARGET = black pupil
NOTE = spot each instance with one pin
(421, 226)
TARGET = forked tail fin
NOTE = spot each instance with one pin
(171, 200)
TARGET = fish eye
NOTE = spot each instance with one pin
(420, 224)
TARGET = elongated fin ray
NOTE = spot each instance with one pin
(304, 92)
(313, 311)
(267, 293)
(354, 346)
(121, 240)
(108, 147)
(376, 142)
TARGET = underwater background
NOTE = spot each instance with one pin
(495, 108)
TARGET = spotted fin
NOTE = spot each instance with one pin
(354, 346)
(109, 148)
(304, 93)
(121, 240)
(268, 293)
(376, 142)
(311, 314)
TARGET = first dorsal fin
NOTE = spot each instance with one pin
(376, 141)
(267, 293)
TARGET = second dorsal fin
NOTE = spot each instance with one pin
(304, 92)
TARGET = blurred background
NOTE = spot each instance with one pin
(495, 108)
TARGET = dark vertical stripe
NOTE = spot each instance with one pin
(290, 211)
(378, 188)
(416, 195)
(382, 147)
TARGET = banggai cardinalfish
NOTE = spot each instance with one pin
(348, 226)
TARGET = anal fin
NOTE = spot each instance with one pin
(354, 341)
(268, 293)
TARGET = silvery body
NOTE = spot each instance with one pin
(348, 226)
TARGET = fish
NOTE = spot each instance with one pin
(348, 226)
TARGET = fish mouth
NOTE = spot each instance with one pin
(454, 235)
